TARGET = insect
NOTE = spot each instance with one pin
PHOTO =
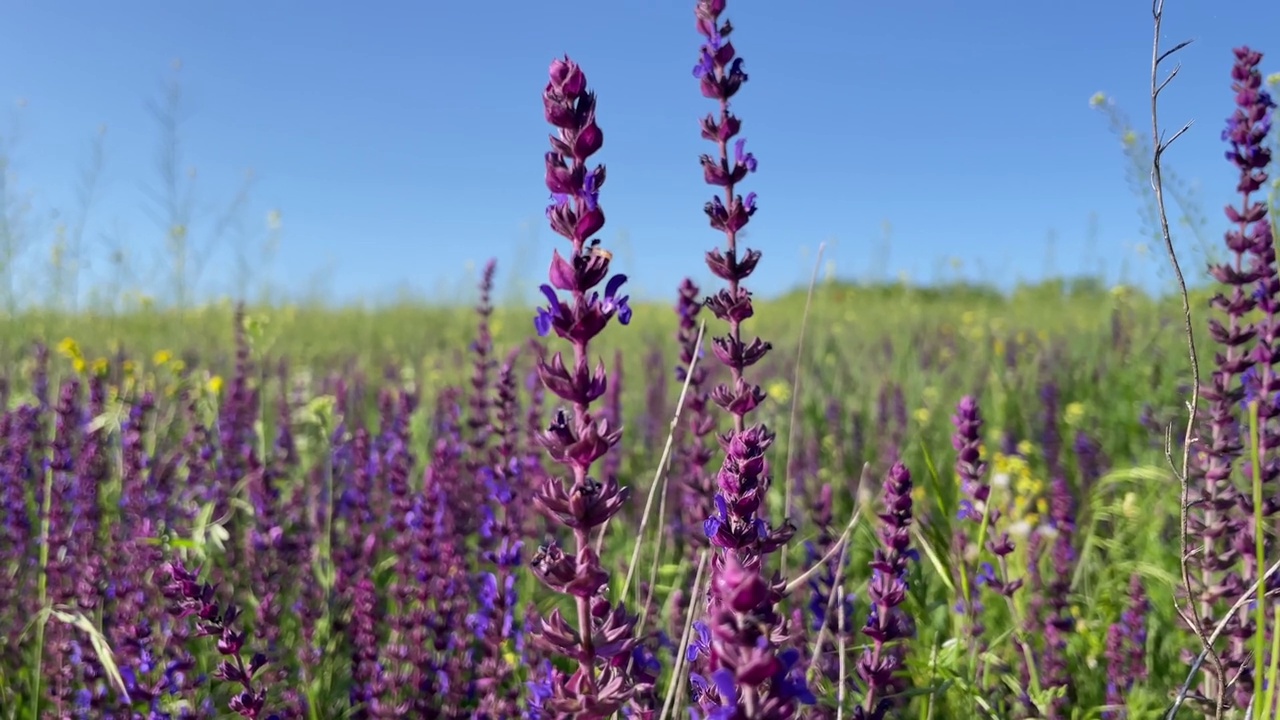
(597, 251)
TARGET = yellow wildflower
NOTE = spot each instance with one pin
(922, 415)
(69, 348)
(930, 395)
(508, 653)
(1098, 99)
(100, 367)
(214, 384)
(780, 391)
(129, 367)
(1073, 413)
(1025, 448)
(161, 357)
(1130, 505)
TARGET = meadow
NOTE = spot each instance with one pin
(905, 502)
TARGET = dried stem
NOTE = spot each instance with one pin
(1210, 639)
(660, 474)
(1190, 614)
(795, 398)
(676, 688)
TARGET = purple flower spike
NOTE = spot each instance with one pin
(189, 597)
(1222, 515)
(887, 624)
(601, 638)
(764, 685)
(743, 640)
(971, 471)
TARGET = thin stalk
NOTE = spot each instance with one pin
(659, 474)
(795, 399)
(42, 589)
(1259, 546)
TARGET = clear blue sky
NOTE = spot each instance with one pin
(401, 141)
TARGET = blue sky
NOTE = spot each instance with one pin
(402, 141)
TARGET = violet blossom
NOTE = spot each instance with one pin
(577, 438)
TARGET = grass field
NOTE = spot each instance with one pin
(934, 503)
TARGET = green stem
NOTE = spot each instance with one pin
(42, 587)
(1270, 702)
(1259, 540)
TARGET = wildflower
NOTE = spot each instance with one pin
(582, 322)
(189, 597)
(1073, 413)
(600, 686)
(694, 449)
(887, 623)
(1248, 284)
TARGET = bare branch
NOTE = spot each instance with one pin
(1169, 79)
(1172, 50)
(1190, 613)
(1245, 597)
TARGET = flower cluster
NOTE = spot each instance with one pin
(695, 449)
(603, 637)
(192, 598)
(744, 477)
(735, 528)
(879, 665)
(1126, 649)
(751, 678)
(979, 511)
(1222, 514)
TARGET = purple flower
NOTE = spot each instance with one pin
(887, 624)
(1222, 515)
(189, 597)
(602, 632)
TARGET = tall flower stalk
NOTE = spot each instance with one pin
(744, 477)
(695, 450)
(881, 663)
(604, 635)
(1242, 376)
(750, 674)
